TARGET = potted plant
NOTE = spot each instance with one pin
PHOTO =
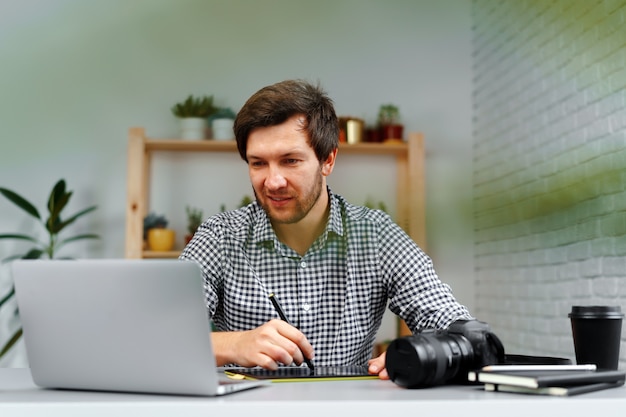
(48, 247)
(193, 113)
(389, 122)
(158, 237)
(222, 121)
(194, 220)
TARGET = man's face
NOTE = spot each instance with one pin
(286, 176)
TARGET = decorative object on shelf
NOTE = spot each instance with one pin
(351, 129)
(194, 220)
(53, 225)
(389, 122)
(372, 134)
(158, 237)
(161, 239)
(193, 114)
(153, 220)
(222, 124)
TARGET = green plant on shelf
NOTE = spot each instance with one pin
(194, 219)
(153, 220)
(388, 114)
(201, 107)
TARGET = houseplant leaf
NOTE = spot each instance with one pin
(75, 238)
(56, 203)
(13, 340)
(18, 236)
(60, 225)
(8, 296)
(18, 332)
(20, 201)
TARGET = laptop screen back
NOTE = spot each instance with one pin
(116, 324)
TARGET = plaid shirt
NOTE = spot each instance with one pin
(335, 294)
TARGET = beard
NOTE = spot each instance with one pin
(303, 204)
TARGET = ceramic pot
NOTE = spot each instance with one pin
(223, 129)
(391, 131)
(193, 128)
(161, 239)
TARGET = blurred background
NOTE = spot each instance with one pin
(522, 107)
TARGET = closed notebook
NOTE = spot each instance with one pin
(564, 391)
(536, 379)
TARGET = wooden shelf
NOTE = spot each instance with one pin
(159, 254)
(409, 157)
(391, 147)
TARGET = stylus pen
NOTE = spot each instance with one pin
(281, 313)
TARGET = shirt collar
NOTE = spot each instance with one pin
(265, 233)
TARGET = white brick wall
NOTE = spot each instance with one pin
(550, 166)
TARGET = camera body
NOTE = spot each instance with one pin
(436, 357)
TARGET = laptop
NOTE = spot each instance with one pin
(119, 325)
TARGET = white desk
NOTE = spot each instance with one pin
(20, 397)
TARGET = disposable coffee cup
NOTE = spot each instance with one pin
(596, 331)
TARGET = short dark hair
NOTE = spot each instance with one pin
(274, 104)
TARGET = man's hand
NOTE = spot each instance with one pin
(275, 342)
(377, 366)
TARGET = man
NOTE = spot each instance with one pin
(334, 266)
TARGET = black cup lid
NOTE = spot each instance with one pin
(596, 312)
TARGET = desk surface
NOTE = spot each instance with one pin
(20, 397)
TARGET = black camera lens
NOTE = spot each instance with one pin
(428, 358)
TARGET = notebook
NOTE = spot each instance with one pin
(547, 378)
(119, 325)
(562, 391)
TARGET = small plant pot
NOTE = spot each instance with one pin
(193, 128)
(223, 129)
(392, 131)
(160, 239)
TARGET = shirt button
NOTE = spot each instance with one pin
(302, 264)
(306, 307)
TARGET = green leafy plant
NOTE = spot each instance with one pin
(223, 113)
(388, 114)
(194, 107)
(53, 226)
(194, 219)
(153, 220)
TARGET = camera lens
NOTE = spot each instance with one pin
(428, 358)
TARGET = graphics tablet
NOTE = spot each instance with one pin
(302, 373)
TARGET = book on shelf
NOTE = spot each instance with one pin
(536, 378)
(561, 391)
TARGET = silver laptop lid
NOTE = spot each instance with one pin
(116, 324)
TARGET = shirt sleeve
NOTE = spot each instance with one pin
(416, 294)
(205, 249)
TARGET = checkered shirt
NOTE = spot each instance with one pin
(335, 294)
